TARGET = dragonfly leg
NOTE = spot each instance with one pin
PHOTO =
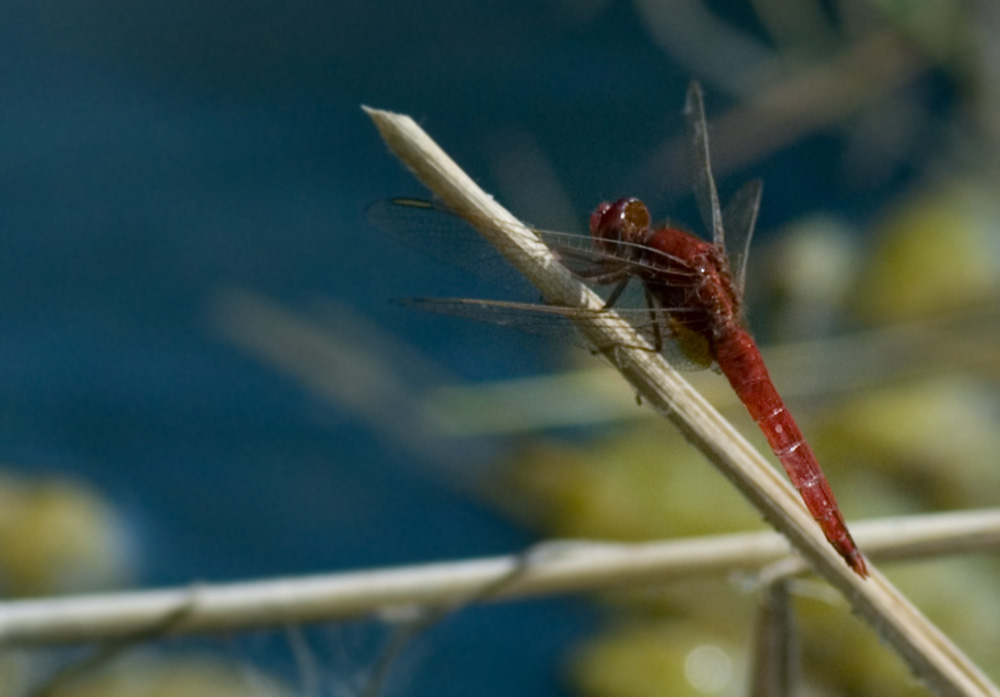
(657, 332)
(616, 293)
(651, 305)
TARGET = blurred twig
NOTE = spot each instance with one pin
(785, 111)
(347, 361)
(407, 592)
(774, 660)
(966, 341)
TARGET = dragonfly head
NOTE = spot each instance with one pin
(625, 220)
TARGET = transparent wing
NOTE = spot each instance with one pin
(706, 195)
(652, 324)
(434, 229)
(740, 218)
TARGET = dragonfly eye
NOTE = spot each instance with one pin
(636, 217)
(625, 220)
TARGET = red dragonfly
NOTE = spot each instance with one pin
(692, 295)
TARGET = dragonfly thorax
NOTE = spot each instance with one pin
(689, 273)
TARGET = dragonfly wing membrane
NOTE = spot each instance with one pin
(740, 219)
(706, 195)
(437, 231)
(434, 230)
(556, 321)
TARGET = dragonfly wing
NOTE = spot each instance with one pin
(533, 318)
(437, 231)
(503, 312)
(740, 218)
(706, 195)
(556, 321)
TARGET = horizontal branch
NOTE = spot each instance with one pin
(928, 652)
(554, 567)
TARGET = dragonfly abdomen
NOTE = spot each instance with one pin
(740, 361)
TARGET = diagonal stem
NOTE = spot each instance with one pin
(931, 655)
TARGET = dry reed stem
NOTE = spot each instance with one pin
(555, 567)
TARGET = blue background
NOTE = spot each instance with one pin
(153, 155)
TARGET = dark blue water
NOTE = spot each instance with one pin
(153, 154)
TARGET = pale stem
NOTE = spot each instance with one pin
(930, 654)
(553, 567)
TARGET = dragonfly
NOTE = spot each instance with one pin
(690, 291)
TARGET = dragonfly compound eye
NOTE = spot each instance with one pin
(625, 220)
(636, 220)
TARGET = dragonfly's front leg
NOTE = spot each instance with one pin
(654, 319)
(616, 293)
